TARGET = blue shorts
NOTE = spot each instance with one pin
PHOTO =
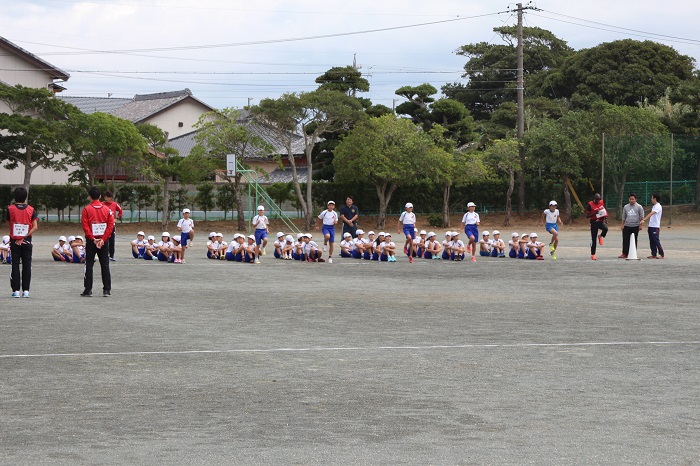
(513, 253)
(445, 255)
(549, 227)
(356, 254)
(427, 255)
(141, 252)
(184, 237)
(409, 230)
(494, 252)
(532, 255)
(77, 259)
(162, 257)
(383, 258)
(484, 253)
(259, 236)
(330, 231)
(472, 230)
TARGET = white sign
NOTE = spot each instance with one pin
(20, 229)
(601, 213)
(231, 164)
(98, 229)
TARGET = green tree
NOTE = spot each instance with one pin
(310, 114)
(34, 133)
(391, 152)
(205, 197)
(226, 198)
(504, 156)
(163, 166)
(280, 192)
(220, 133)
(345, 79)
(144, 198)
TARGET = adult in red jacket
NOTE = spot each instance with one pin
(598, 216)
(23, 223)
(98, 224)
(117, 212)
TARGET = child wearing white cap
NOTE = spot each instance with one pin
(311, 250)
(419, 244)
(186, 228)
(387, 249)
(534, 248)
(514, 244)
(177, 250)
(376, 246)
(447, 246)
(77, 246)
(211, 247)
(234, 251)
(407, 224)
(329, 218)
(150, 252)
(456, 247)
(5, 250)
(278, 245)
(347, 245)
(498, 246)
(485, 244)
(471, 222)
(432, 246)
(138, 246)
(298, 253)
(288, 247)
(251, 250)
(361, 245)
(61, 251)
(550, 218)
(522, 246)
(262, 228)
(165, 247)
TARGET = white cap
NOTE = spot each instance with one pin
(409, 205)
(220, 234)
(496, 232)
(177, 238)
(140, 233)
(533, 235)
(370, 233)
(300, 235)
(345, 235)
(213, 233)
(279, 233)
(6, 238)
(448, 233)
(330, 202)
(251, 237)
(79, 237)
(415, 229)
(431, 234)
(471, 204)
(151, 237)
(306, 235)
(360, 232)
(261, 207)
(165, 233)
(514, 235)
(552, 202)
(185, 211)
(71, 238)
(455, 233)
(485, 233)
(289, 238)
(387, 234)
(381, 233)
(423, 232)
(60, 238)
(524, 235)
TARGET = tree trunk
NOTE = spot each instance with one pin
(619, 186)
(567, 199)
(166, 204)
(309, 181)
(521, 181)
(237, 188)
(446, 204)
(384, 193)
(697, 186)
(297, 186)
(509, 198)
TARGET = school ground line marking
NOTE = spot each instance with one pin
(354, 349)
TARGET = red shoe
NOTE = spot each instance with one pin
(600, 240)
(622, 256)
(593, 257)
(410, 259)
(540, 258)
(320, 260)
(310, 260)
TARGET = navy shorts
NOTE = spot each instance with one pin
(472, 230)
(409, 230)
(259, 236)
(329, 230)
(184, 237)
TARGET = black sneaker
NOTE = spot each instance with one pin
(106, 293)
(86, 294)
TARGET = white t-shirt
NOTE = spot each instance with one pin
(310, 246)
(457, 244)
(655, 220)
(347, 244)
(233, 247)
(471, 218)
(487, 244)
(139, 242)
(408, 218)
(166, 244)
(513, 243)
(278, 244)
(185, 225)
(65, 249)
(329, 217)
(262, 221)
(535, 244)
(551, 217)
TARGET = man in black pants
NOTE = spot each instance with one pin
(348, 214)
(98, 222)
(23, 223)
(595, 210)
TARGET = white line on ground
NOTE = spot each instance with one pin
(354, 349)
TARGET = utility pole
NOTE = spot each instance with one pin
(520, 87)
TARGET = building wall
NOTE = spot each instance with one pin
(39, 176)
(28, 76)
(187, 111)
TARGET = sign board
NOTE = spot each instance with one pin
(231, 164)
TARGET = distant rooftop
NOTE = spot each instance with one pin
(56, 73)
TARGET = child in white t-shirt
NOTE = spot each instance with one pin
(498, 246)
(151, 249)
(485, 244)
(347, 245)
(407, 225)
(514, 245)
(288, 247)
(329, 219)
(457, 247)
(138, 246)
(61, 251)
(534, 248)
(432, 247)
(278, 245)
(186, 228)
(388, 249)
(165, 247)
(262, 228)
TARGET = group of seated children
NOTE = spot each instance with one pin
(168, 249)
(525, 247)
(5, 253)
(71, 249)
(242, 248)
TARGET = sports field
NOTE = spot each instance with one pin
(499, 362)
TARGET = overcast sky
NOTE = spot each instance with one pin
(257, 56)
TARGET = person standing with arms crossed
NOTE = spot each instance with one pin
(349, 214)
(98, 223)
(23, 223)
(598, 216)
(654, 218)
(632, 214)
(117, 212)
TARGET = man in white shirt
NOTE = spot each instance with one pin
(654, 217)
(329, 217)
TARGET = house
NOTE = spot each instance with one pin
(18, 66)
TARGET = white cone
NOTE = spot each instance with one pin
(632, 256)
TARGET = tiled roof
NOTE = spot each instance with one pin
(95, 104)
(55, 73)
(284, 175)
(183, 144)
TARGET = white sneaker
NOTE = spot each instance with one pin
(263, 252)
(324, 248)
(257, 261)
(25, 294)
(15, 294)
(330, 260)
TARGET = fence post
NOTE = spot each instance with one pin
(670, 201)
